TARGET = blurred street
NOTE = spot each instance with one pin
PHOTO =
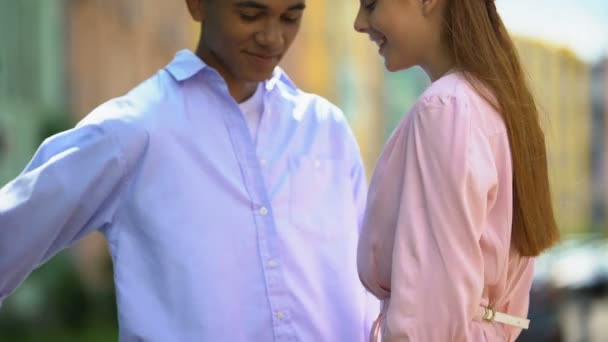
(574, 315)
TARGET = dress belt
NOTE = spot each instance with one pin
(489, 314)
(486, 313)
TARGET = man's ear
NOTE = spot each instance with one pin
(196, 9)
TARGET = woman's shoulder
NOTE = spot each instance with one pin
(466, 97)
(453, 85)
(448, 95)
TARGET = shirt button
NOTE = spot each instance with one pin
(263, 162)
(317, 163)
(273, 264)
(263, 211)
(280, 314)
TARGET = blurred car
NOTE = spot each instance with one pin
(545, 300)
(575, 272)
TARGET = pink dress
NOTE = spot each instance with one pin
(436, 240)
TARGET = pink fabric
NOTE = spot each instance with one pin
(436, 240)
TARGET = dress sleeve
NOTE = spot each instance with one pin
(437, 269)
(522, 270)
(71, 187)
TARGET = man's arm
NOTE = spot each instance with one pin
(71, 187)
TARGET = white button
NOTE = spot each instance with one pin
(263, 211)
(317, 163)
(273, 264)
(263, 162)
(280, 314)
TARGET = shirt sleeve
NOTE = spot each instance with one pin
(71, 187)
(437, 268)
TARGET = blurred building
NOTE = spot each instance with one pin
(114, 45)
(32, 81)
(61, 58)
(599, 146)
(562, 85)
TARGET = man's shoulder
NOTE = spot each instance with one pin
(310, 106)
(291, 90)
(138, 104)
(322, 110)
(318, 116)
(130, 118)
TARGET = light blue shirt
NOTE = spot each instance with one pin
(213, 237)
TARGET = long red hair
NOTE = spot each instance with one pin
(483, 50)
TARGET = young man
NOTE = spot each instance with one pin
(230, 199)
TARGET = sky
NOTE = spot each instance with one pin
(581, 25)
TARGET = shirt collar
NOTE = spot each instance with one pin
(279, 76)
(186, 64)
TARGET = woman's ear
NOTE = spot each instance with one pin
(429, 6)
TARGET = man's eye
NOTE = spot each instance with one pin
(370, 6)
(248, 17)
(291, 20)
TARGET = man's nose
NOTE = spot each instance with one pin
(271, 35)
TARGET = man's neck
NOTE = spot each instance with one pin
(239, 90)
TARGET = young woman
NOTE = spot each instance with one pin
(459, 203)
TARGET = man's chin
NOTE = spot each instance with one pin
(260, 76)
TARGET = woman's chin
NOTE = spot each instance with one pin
(394, 66)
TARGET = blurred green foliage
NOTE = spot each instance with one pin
(53, 304)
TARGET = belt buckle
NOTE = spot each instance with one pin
(489, 313)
